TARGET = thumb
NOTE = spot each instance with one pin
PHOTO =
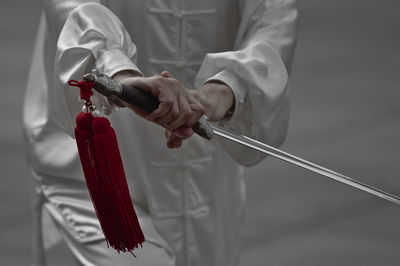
(166, 74)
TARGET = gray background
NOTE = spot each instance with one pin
(345, 116)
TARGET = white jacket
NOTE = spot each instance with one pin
(190, 200)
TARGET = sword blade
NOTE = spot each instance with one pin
(274, 152)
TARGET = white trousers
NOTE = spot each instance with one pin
(50, 228)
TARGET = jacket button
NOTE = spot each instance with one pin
(178, 14)
(81, 234)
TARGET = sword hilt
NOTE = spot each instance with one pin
(138, 98)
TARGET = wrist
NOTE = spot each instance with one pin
(217, 99)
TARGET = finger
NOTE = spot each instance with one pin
(195, 105)
(171, 116)
(197, 111)
(169, 142)
(162, 110)
(184, 113)
(167, 134)
(175, 141)
(183, 132)
(166, 74)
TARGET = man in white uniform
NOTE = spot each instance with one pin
(189, 200)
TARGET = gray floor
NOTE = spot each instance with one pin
(345, 116)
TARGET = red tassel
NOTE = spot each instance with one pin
(122, 223)
(105, 178)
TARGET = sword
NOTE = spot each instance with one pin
(146, 102)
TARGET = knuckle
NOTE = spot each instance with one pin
(202, 109)
(158, 81)
(187, 115)
(165, 125)
(174, 114)
(176, 83)
(161, 108)
(169, 102)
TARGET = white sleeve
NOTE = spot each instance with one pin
(91, 37)
(257, 72)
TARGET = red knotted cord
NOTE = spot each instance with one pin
(86, 89)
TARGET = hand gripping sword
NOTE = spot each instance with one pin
(148, 103)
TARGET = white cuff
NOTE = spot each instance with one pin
(113, 61)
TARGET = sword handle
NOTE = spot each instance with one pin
(140, 99)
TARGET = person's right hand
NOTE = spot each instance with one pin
(177, 109)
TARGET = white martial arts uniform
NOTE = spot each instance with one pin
(190, 200)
